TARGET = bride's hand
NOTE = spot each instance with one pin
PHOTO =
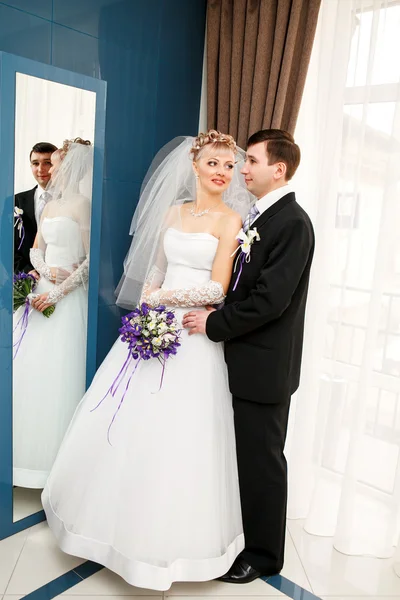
(40, 303)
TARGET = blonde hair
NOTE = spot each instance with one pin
(61, 152)
(217, 140)
(67, 144)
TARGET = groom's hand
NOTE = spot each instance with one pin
(196, 320)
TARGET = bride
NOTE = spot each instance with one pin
(49, 367)
(160, 503)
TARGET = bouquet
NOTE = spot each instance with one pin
(149, 333)
(23, 288)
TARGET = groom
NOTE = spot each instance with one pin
(262, 326)
(32, 203)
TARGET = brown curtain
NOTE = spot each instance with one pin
(257, 59)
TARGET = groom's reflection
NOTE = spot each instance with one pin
(32, 203)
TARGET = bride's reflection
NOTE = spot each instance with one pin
(49, 366)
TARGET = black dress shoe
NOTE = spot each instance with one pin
(240, 572)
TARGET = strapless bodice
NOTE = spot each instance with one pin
(190, 258)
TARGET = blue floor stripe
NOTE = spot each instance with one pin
(87, 569)
(56, 587)
(65, 582)
(289, 588)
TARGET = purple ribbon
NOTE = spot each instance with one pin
(162, 375)
(115, 384)
(20, 226)
(24, 324)
(114, 387)
(121, 401)
(241, 258)
(140, 348)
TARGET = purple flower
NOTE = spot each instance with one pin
(145, 309)
(160, 309)
(125, 321)
(21, 276)
(141, 346)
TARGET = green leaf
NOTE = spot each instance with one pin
(48, 311)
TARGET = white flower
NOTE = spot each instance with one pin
(152, 325)
(162, 328)
(157, 341)
(246, 240)
(168, 337)
(241, 236)
(153, 315)
(253, 234)
(18, 211)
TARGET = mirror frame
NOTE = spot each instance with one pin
(10, 65)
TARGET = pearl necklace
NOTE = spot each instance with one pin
(203, 212)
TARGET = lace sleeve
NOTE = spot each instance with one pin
(79, 277)
(36, 256)
(207, 294)
(153, 283)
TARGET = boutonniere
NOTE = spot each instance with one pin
(18, 212)
(246, 241)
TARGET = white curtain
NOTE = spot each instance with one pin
(344, 432)
(48, 112)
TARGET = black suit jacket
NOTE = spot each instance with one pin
(26, 201)
(262, 322)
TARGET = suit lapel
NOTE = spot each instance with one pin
(29, 205)
(261, 220)
(272, 210)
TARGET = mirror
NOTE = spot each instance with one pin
(52, 213)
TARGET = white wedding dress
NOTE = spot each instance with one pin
(49, 370)
(161, 503)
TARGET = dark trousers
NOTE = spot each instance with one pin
(260, 439)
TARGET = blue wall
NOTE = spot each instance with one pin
(150, 52)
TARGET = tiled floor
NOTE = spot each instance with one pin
(31, 559)
(26, 502)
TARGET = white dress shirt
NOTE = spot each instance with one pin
(38, 193)
(269, 199)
